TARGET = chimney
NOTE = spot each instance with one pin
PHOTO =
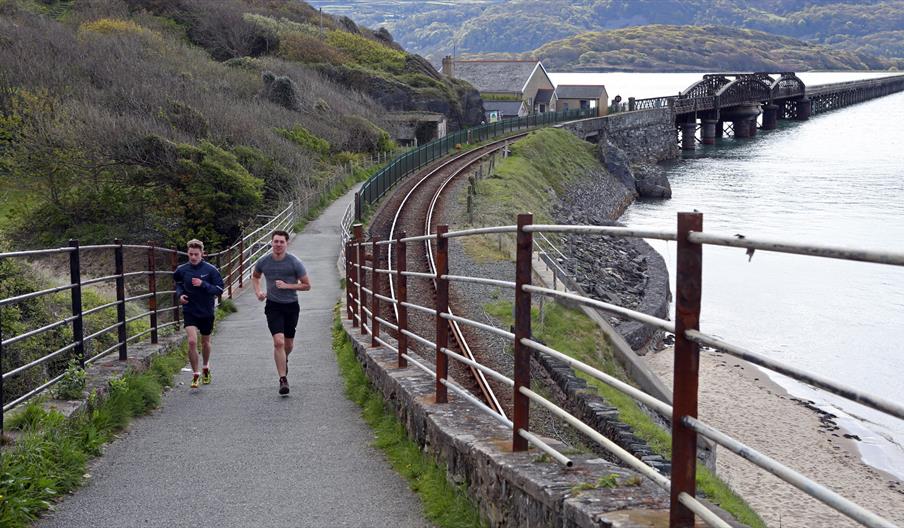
(448, 69)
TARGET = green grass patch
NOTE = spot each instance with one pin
(49, 456)
(445, 504)
(573, 333)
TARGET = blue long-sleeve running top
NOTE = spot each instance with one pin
(200, 298)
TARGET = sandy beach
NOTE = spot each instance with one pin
(739, 399)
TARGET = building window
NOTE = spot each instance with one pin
(585, 104)
(592, 104)
(542, 108)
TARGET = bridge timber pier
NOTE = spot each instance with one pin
(741, 98)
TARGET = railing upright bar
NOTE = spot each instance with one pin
(229, 262)
(121, 298)
(219, 264)
(152, 289)
(174, 263)
(241, 262)
(359, 275)
(75, 278)
(520, 402)
(374, 300)
(2, 430)
(688, 281)
(442, 306)
(402, 297)
(348, 283)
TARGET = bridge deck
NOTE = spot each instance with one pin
(234, 453)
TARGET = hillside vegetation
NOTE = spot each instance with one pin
(695, 48)
(170, 119)
(513, 26)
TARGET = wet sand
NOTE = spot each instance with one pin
(739, 399)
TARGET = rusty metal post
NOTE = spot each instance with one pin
(174, 263)
(219, 268)
(241, 262)
(357, 206)
(360, 276)
(402, 297)
(521, 404)
(689, 274)
(75, 278)
(121, 298)
(152, 289)
(442, 306)
(348, 282)
(375, 289)
(231, 271)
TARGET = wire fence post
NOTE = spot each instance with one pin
(402, 297)
(152, 289)
(442, 306)
(75, 278)
(121, 300)
(375, 290)
(689, 271)
(359, 275)
(174, 263)
(241, 262)
(521, 403)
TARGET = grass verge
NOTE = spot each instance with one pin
(575, 334)
(445, 504)
(50, 455)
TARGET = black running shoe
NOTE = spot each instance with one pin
(283, 386)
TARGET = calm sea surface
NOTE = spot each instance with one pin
(836, 179)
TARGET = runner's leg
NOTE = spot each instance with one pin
(279, 353)
(192, 332)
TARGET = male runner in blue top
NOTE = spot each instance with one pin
(197, 283)
(286, 275)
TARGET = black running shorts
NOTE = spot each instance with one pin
(282, 318)
(203, 324)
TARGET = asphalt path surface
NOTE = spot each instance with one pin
(235, 453)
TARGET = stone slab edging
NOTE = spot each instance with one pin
(510, 489)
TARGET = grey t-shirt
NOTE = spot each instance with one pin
(289, 270)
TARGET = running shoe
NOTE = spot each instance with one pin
(195, 381)
(205, 376)
(283, 386)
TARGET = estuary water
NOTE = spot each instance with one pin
(835, 179)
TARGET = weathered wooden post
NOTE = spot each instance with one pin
(689, 272)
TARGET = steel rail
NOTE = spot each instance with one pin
(874, 402)
(661, 407)
(480, 280)
(99, 332)
(419, 308)
(99, 279)
(387, 324)
(418, 274)
(38, 331)
(501, 377)
(32, 392)
(702, 511)
(477, 324)
(38, 361)
(609, 445)
(464, 393)
(814, 489)
(663, 324)
(457, 334)
(799, 248)
(31, 295)
(36, 252)
(617, 231)
(386, 299)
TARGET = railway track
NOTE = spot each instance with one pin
(415, 210)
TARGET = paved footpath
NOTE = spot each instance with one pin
(236, 454)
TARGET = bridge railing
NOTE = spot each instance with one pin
(129, 265)
(363, 312)
(377, 185)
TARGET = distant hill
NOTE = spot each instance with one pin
(695, 48)
(484, 26)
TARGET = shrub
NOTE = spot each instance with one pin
(367, 52)
(72, 384)
(303, 138)
(112, 26)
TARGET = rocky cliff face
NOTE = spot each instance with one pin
(425, 90)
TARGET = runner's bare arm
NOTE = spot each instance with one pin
(303, 284)
(256, 282)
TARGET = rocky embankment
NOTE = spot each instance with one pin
(623, 271)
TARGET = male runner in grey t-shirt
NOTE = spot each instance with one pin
(286, 275)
